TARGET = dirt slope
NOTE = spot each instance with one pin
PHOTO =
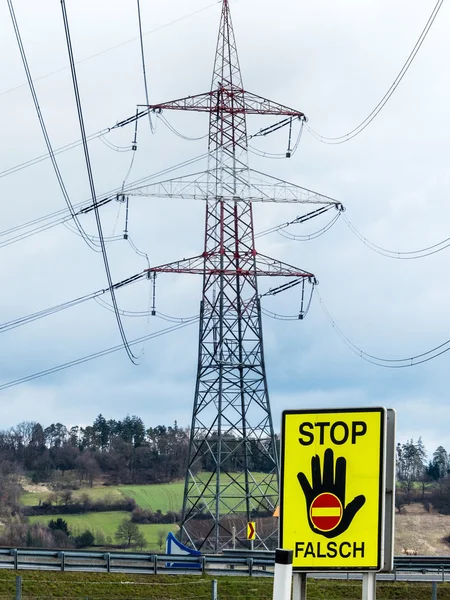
(422, 531)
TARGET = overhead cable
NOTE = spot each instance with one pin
(42, 157)
(62, 216)
(279, 317)
(288, 154)
(133, 156)
(124, 43)
(311, 236)
(144, 73)
(399, 255)
(101, 136)
(130, 354)
(115, 147)
(300, 219)
(8, 325)
(176, 132)
(388, 363)
(93, 356)
(145, 313)
(385, 99)
(44, 127)
(305, 305)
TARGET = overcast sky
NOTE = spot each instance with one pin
(331, 60)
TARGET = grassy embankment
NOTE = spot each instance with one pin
(96, 586)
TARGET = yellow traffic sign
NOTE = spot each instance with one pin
(251, 530)
(332, 488)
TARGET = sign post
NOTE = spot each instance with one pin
(337, 486)
(299, 586)
(369, 591)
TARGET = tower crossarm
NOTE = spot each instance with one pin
(260, 188)
(224, 99)
(264, 266)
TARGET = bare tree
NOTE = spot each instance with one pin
(128, 533)
(161, 538)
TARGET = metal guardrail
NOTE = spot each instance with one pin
(413, 563)
(258, 563)
(133, 562)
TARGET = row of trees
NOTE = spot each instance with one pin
(122, 451)
(414, 466)
(57, 534)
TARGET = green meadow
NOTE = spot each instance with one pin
(107, 523)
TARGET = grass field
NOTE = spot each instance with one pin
(163, 497)
(33, 498)
(116, 586)
(107, 522)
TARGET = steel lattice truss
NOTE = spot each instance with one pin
(255, 187)
(232, 472)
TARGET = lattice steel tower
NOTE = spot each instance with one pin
(232, 472)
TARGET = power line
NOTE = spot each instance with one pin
(290, 152)
(42, 157)
(144, 313)
(305, 304)
(144, 73)
(300, 219)
(43, 126)
(399, 255)
(97, 296)
(133, 156)
(130, 354)
(62, 217)
(129, 41)
(388, 363)
(279, 317)
(47, 312)
(115, 147)
(176, 132)
(385, 99)
(93, 356)
(310, 236)
(101, 136)
(8, 325)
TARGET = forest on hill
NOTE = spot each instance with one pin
(67, 462)
(123, 451)
(423, 478)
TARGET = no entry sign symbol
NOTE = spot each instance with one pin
(326, 512)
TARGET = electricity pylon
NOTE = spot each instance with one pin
(232, 471)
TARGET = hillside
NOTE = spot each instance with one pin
(422, 531)
(415, 528)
